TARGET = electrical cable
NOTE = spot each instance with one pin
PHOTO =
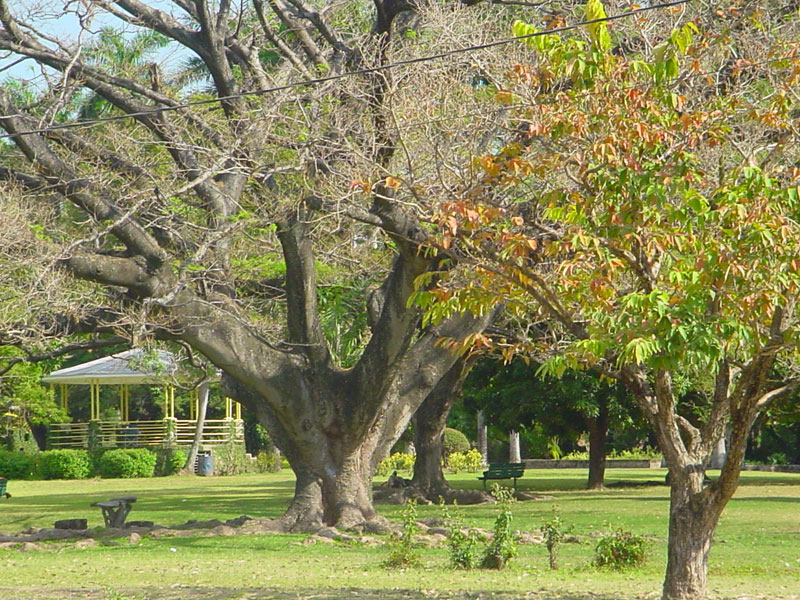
(365, 71)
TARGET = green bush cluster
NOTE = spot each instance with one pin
(17, 465)
(470, 461)
(621, 550)
(646, 453)
(65, 464)
(126, 463)
(399, 461)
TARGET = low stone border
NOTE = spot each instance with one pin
(773, 468)
(612, 463)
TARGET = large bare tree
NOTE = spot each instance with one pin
(215, 225)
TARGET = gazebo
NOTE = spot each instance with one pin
(134, 367)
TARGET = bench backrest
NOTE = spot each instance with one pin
(508, 469)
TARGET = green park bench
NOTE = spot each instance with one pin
(503, 471)
(3, 492)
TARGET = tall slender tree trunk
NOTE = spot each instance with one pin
(483, 438)
(598, 434)
(202, 409)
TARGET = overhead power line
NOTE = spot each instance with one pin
(358, 72)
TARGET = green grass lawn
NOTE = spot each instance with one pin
(756, 554)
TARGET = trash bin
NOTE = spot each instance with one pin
(205, 466)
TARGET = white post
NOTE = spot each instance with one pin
(513, 447)
(483, 440)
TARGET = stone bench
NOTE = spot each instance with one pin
(115, 510)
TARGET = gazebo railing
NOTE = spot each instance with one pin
(128, 434)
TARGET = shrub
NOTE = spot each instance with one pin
(621, 550)
(399, 461)
(65, 464)
(470, 461)
(454, 441)
(126, 463)
(778, 458)
(268, 462)
(403, 551)
(169, 461)
(231, 459)
(462, 541)
(503, 546)
(553, 533)
(17, 465)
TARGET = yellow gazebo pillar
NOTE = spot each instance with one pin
(124, 402)
(228, 408)
(194, 405)
(94, 398)
(237, 411)
(64, 396)
(169, 402)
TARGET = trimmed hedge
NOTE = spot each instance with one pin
(126, 463)
(65, 464)
(17, 465)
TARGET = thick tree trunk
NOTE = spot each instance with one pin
(430, 421)
(694, 514)
(330, 489)
(429, 424)
(598, 433)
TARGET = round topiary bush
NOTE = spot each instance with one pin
(454, 441)
(65, 464)
(126, 463)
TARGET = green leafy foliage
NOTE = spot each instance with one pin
(503, 546)
(65, 464)
(621, 550)
(126, 463)
(403, 548)
(17, 465)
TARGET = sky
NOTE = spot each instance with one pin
(60, 19)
